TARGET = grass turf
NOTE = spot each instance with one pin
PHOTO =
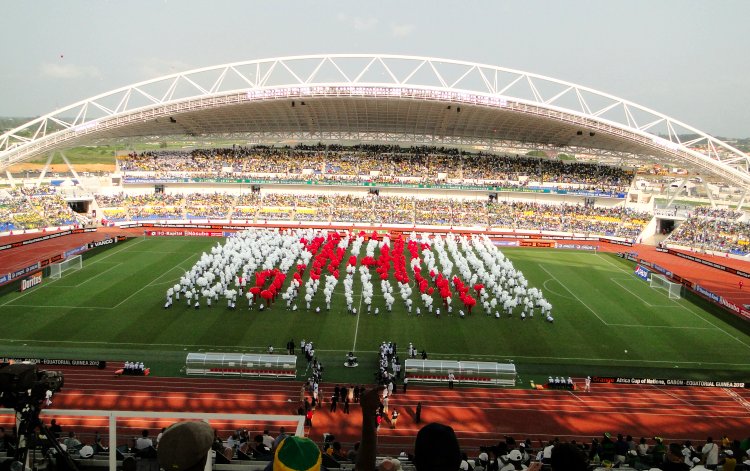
(112, 309)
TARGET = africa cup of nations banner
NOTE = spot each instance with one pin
(101, 364)
(669, 382)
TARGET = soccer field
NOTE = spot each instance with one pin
(113, 309)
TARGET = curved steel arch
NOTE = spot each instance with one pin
(379, 77)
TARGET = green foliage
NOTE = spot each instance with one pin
(83, 155)
(536, 153)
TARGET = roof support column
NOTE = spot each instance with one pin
(45, 168)
(710, 196)
(677, 193)
(742, 200)
(10, 178)
(72, 170)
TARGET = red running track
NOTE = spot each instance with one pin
(715, 280)
(480, 416)
(22, 257)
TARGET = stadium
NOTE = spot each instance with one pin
(527, 236)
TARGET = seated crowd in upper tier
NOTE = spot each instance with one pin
(380, 164)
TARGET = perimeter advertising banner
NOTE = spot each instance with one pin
(669, 382)
(31, 281)
(740, 311)
(186, 232)
(576, 246)
(9, 277)
(616, 241)
(702, 261)
(101, 364)
(537, 243)
(642, 272)
(24, 271)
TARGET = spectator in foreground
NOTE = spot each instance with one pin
(436, 449)
(710, 453)
(370, 402)
(144, 441)
(673, 460)
(72, 441)
(296, 454)
(185, 446)
(144, 446)
(567, 457)
(55, 429)
(699, 465)
(729, 462)
(389, 464)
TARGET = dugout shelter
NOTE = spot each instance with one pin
(465, 372)
(241, 365)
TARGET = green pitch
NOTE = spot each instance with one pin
(113, 309)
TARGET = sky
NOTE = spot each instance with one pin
(684, 58)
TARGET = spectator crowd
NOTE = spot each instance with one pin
(721, 230)
(33, 208)
(376, 164)
(435, 447)
(375, 209)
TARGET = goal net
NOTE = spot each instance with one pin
(661, 282)
(56, 270)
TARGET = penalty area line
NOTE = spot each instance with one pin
(49, 283)
(573, 294)
(356, 327)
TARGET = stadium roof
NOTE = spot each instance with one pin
(379, 98)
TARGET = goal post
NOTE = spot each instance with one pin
(56, 270)
(661, 282)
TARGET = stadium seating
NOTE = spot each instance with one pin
(706, 229)
(646, 453)
(33, 208)
(377, 209)
(713, 229)
(371, 163)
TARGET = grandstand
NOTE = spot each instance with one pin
(437, 174)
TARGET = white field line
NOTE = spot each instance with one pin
(614, 280)
(356, 328)
(171, 282)
(97, 275)
(149, 284)
(741, 400)
(637, 281)
(44, 285)
(686, 308)
(544, 285)
(82, 270)
(573, 294)
(666, 391)
(248, 348)
(681, 327)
